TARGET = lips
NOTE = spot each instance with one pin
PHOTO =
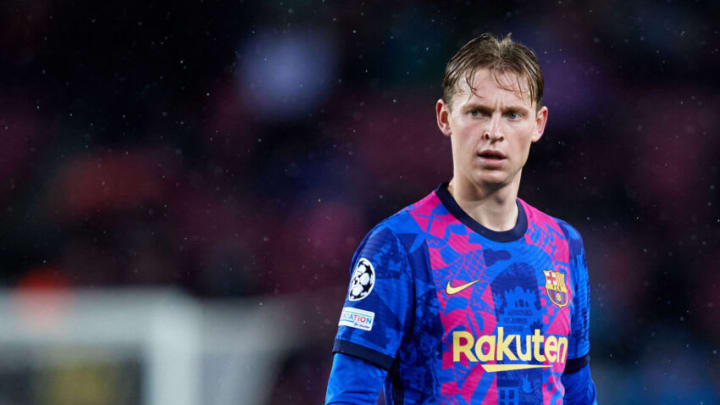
(492, 154)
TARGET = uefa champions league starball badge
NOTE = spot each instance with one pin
(363, 280)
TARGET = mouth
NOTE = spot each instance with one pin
(492, 155)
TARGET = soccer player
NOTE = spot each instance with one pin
(471, 295)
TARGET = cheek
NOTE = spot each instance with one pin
(521, 143)
(462, 146)
(463, 136)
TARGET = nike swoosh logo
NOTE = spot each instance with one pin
(454, 290)
(492, 368)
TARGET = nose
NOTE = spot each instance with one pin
(492, 132)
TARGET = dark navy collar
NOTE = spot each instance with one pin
(498, 236)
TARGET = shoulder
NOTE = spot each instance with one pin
(537, 218)
(408, 219)
(404, 226)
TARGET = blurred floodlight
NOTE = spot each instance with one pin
(286, 75)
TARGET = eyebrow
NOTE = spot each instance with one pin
(485, 107)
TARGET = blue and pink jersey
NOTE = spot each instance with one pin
(460, 314)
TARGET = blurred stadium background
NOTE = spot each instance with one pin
(182, 185)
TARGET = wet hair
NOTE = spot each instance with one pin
(499, 56)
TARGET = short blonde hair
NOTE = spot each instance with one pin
(499, 56)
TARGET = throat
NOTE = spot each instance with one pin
(494, 211)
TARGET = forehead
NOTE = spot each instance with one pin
(491, 86)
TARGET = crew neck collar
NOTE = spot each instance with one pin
(498, 236)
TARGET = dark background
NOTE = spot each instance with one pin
(243, 149)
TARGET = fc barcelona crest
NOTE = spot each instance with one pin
(555, 287)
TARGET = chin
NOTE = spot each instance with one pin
(492, 179)
(491, 176)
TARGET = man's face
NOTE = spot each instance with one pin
(491, 128)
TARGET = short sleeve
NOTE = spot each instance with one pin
(377, 306)
(579, 344)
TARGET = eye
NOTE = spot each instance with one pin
(514, 115)
(477, 113)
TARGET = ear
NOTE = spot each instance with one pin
(442, 113)
(540, 121)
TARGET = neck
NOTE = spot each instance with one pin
(494, 207)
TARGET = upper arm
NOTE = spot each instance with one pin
(579, 344)
(577, 379)
(377, 308)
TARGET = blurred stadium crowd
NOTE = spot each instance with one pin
(245, 148)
